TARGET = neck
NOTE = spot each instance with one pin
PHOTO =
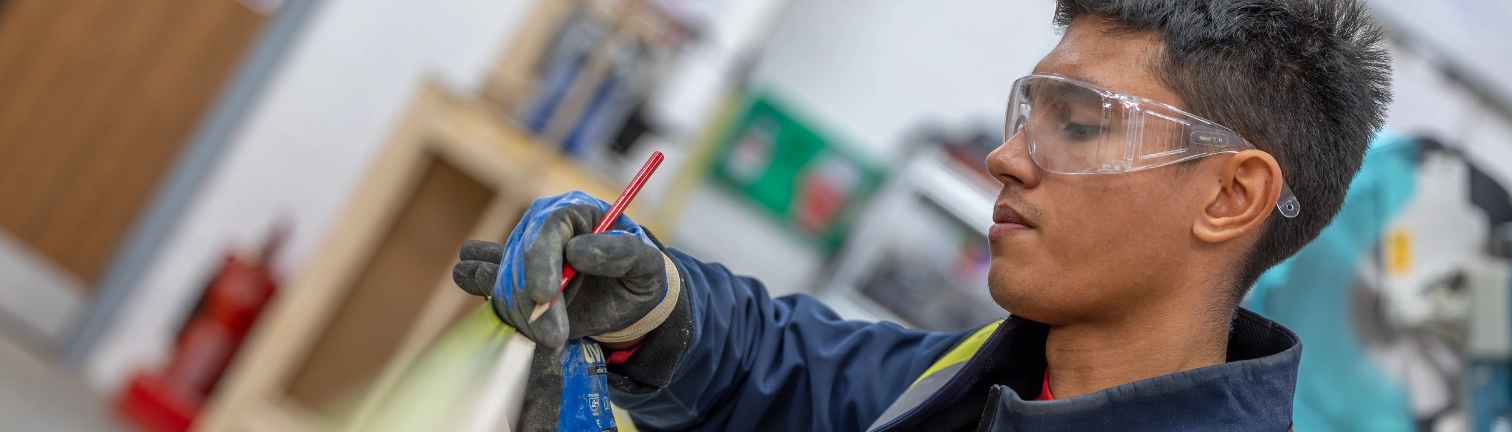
(1152, 341)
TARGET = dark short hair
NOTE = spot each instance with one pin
(1306, 80)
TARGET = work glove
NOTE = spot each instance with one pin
(622, 274)
(620, 293)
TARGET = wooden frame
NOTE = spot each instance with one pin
(464, 134)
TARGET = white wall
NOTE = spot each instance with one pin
(870, 70)
(1473, 35)
(305, 148)
(1429, 103)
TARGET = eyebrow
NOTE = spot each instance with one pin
(1066, 91)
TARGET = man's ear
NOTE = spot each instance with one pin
(1248, 186)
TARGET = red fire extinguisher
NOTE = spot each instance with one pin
(169, 400)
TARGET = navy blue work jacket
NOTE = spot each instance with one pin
(730, 358)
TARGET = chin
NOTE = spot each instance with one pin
(1010, 293)
(1025, 293)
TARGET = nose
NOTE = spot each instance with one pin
(1011, 163)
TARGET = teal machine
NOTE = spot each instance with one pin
(1402, 303)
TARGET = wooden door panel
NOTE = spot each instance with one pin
(96, 99)
(137, 169)
(387, 296)
(74, 96)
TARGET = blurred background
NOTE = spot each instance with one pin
(241, 215)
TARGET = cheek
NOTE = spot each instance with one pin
(1059, 271)
(1091, 222)
(1097, 239)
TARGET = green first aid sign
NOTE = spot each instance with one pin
(791, 170)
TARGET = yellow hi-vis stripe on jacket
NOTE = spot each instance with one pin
(961, 352)
(937, 374)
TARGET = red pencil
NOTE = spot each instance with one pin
(607, 221)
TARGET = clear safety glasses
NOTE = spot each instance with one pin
(1077, 128)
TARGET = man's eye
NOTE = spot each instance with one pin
(1081, 132)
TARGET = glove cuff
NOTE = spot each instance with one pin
(653, 319)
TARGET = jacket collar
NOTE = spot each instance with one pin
(1251, 391)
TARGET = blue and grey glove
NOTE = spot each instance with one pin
(621, 291)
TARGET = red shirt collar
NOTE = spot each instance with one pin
(1045, 388)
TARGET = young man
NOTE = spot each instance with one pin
(1162, 157)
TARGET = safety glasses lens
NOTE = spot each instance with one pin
(1064, 123)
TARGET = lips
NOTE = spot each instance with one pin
(1005, 215)
(1007, 222)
